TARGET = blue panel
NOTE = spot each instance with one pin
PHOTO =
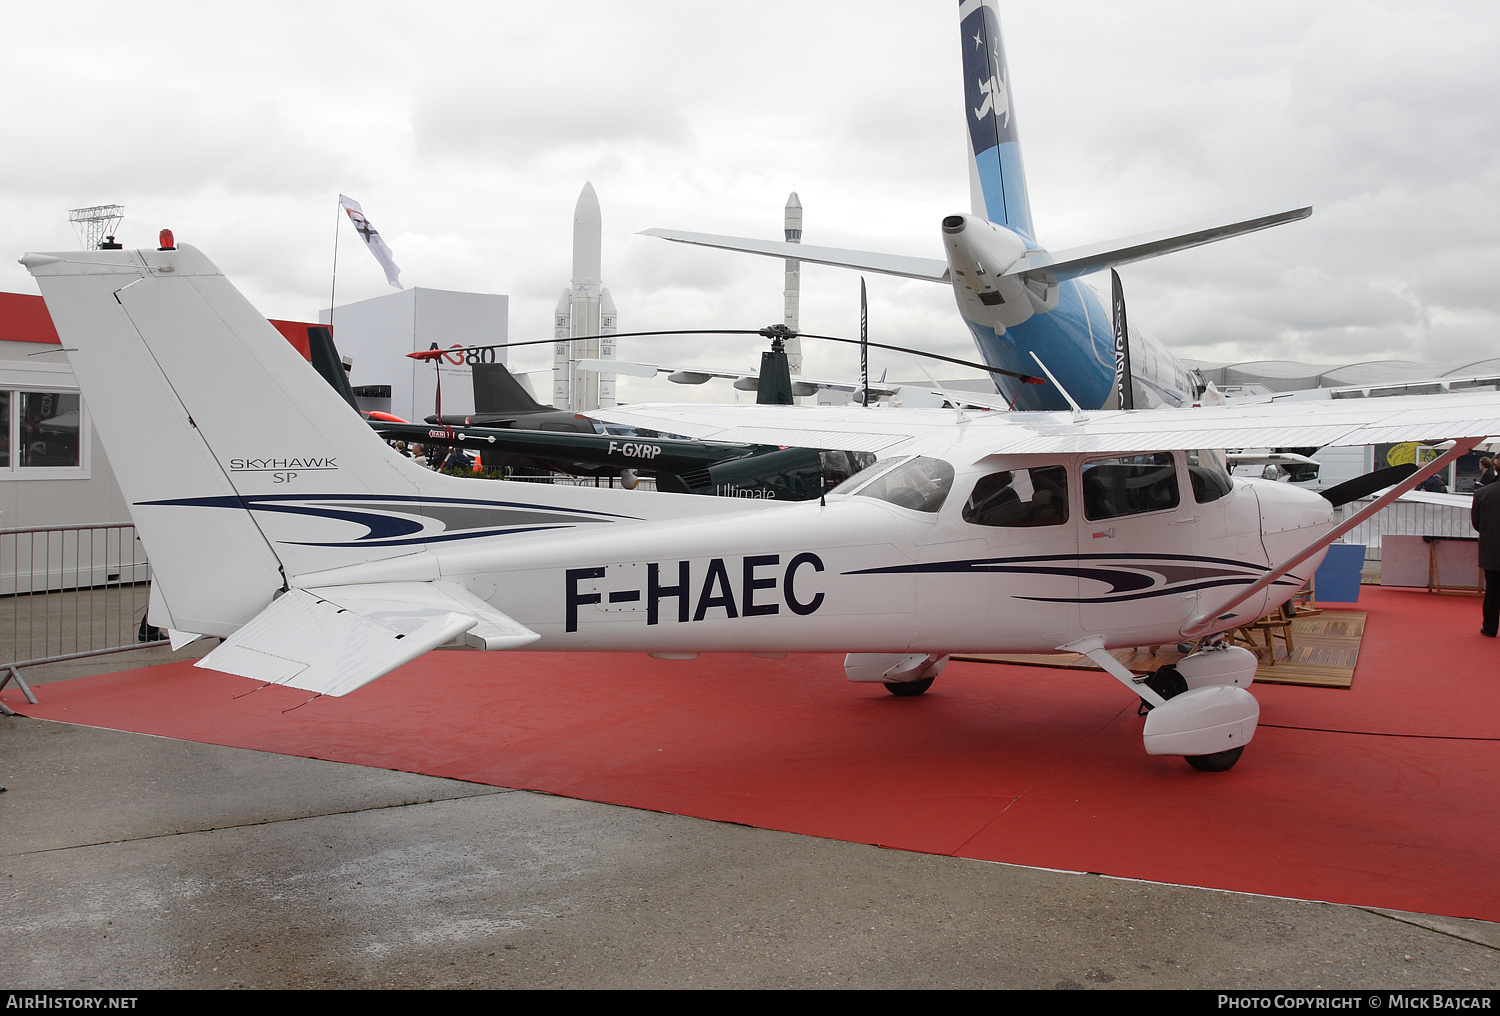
(1337, 578)
(1003, 181)
(988, 164)
(1017, 204)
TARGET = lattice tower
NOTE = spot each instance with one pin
(96, 224)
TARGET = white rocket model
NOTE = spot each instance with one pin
(585, 318)
(792, 291)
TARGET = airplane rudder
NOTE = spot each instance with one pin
(156, 451)
(997, 175)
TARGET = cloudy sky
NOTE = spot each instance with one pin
(468, 129)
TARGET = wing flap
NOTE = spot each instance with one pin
(334, 639)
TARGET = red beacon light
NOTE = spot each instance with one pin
(167, 240)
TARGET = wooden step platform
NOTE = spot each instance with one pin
(1327, 650)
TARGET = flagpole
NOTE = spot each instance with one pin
(864, 346)
(333, 287)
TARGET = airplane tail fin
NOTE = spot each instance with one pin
(496, 390)
(174, 362)
(272, 515)
(997, 178)
(324, 356)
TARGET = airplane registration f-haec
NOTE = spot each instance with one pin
(275, 520)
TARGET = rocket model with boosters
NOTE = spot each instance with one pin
(585, 318)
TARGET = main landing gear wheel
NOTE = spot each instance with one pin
(1218, 762)
(1167, 682)
(905, 689)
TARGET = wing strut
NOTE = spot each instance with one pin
(1206, 621)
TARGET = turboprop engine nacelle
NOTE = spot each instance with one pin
(979, 254)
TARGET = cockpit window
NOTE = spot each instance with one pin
(1020, 498)
(1129, 485)
(838, 467)
(864, 476)
(1209, 472)
(919, 483)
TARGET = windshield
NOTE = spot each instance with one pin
(919, 483)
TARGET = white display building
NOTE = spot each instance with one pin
(377, 334)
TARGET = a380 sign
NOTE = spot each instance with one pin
(466, 356)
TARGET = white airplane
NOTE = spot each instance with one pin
(1017, 299)
(276, 520)
(802, 386)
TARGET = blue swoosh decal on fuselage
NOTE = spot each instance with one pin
(394, 527)
(1130, 574)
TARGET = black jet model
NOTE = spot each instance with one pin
(678, 465)
(509, 427)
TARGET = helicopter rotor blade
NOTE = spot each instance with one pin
(775, 332)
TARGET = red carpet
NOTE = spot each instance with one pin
(1383, 795)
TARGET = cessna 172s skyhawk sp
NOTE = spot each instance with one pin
(324, 559)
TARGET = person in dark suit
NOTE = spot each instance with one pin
(1486, 518)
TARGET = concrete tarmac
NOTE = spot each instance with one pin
(129, 861)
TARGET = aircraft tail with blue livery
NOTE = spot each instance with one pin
(1022, 303)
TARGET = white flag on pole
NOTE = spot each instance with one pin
(372, 240)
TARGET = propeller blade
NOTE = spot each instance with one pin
(1364, 486)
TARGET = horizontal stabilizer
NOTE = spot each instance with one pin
(406, 605)
(928, 269)
(334, 639)
(1069, 264)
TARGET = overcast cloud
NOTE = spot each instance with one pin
(468, 129)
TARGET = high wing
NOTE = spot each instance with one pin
(334, 639)
(1317, 424)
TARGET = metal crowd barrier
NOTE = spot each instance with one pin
(1408, 518)
(67, 592)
